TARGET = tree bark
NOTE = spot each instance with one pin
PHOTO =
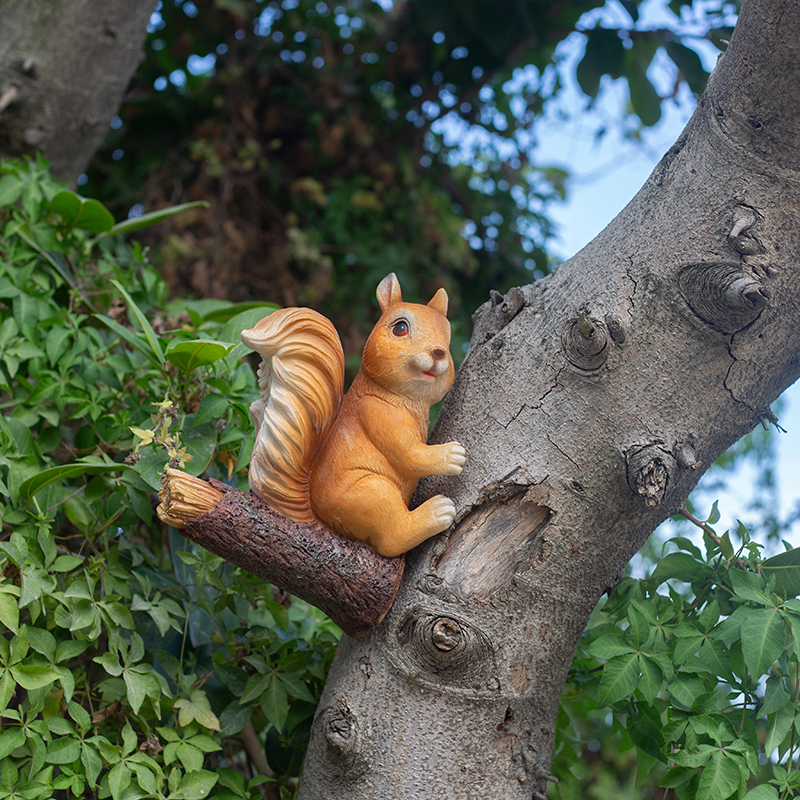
(64, 65)
(590, 404)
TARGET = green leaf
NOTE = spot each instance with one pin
(32, 677)
(275, 703)
(296, 686)
(644, 728)
(714, 655)
(43, 642)
(234, 718)
(775, 697)
(762, 640)
(685, 689)
(66, 563)
(195, 785)
(92, 763)
(137, 689)
(730, 628)
(7, 686)
(212, 407)
(196, 353)
(690, 65)
(120, 614)
(603, 55)
(10, 190)
(11, 739)
(119, 779)
(650, 680)
(786, 569)
(255, 687)
(201, 443)
(81, 212)
(779, 729)
(664, 664)
(39, 481)
(144, 323)
(608, 646)
(9, 611)
(19, 646)
(190, 757)
(110, 663)
(80, 715)
(677, 777)
(763, 792)
(693, 758)
(196, 708)
(750, 586)
(676, 565)
(133, 339)
(204, 743)
(644, 98)
(64, 750)
(720, 777)
(620, 679)
(638, 629)
(227, 314)
(151, 218)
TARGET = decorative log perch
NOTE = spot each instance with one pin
(344, 577)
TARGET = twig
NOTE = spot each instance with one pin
(684, 512)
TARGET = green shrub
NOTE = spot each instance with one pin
(129, 667)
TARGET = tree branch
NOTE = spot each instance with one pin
(346, 578)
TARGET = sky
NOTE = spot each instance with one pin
(606, 174)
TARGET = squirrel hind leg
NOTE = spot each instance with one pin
(373, 511)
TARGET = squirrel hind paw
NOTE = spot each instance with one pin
(444, 511)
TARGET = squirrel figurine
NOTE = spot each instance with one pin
(353, 462)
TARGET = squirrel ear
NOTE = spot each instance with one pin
(439, 302)
(389, 292)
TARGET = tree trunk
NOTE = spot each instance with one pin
(590, 404)
(64, 65)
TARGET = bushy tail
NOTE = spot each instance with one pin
(301, 379)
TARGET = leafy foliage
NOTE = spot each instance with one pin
(702, 683)
(131, 663)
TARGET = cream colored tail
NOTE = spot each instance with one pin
(301, 379)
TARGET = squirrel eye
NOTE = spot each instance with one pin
(400, 328)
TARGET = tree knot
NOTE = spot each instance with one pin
(584, 340)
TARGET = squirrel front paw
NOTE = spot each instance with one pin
(455, 456)
(444, 511)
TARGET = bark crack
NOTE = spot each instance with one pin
(734, 360)
(534, 407)
(552, 388)
(571, 461)
(633, 281)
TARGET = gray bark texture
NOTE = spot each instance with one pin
(590, 404)
(64, 65)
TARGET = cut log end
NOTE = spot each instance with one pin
(185, 498)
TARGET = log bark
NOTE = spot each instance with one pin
(64, 65)
(590, 404)
(346, 578)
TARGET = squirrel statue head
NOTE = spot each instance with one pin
(408, 351)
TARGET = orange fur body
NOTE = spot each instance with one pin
(359, 461)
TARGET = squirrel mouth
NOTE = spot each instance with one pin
(430, 374)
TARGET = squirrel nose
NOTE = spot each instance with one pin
(438, 353)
